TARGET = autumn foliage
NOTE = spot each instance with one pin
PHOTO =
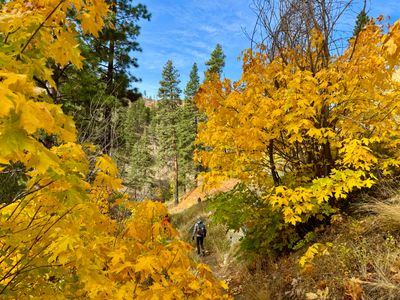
(56, 237)
(305, 131)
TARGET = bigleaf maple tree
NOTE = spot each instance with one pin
(303, 128)
(56, 237)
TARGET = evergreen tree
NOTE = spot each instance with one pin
(186, 132)
(189, 118)
(166, 122)
(102, 88)
(136, 123)
(111, 56)
(216, 62)
(169, 84)
(141, 172)
(361, 21)
(193, 84)
(114, 46)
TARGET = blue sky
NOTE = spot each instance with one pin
(187, 31)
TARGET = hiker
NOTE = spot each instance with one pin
(200, 232)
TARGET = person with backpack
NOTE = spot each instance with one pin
(200, 231)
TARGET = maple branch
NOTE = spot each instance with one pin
(11, 252)
(34, 216)
(43, 85)
(10, 33)
(40, 26)
(28, 270)
(169, 266)
(59, 218)
(35, 241)
(24, 270)
(18, 272)
(23, 195)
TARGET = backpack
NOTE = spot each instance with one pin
(201, 229)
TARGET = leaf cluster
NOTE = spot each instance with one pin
(304, 131)
(57, 239)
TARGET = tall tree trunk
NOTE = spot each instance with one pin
(108, 136)
(176, 192)
(176, 171)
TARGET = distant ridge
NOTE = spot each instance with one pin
(149, 102)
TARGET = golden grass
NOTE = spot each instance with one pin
(387, 212)
(191, 197)
(364, 263)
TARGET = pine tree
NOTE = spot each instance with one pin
(216, 62)
(141, 163)
(186, 131)
(361, 21)
(169, 84)
(136, 122)
(115, 44)
(113, 52)
(104, 84)
(166, 121)
(189, 119)
(193, 84)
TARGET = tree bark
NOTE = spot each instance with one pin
(274, 173)
(108, 136)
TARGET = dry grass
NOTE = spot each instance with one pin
(191, 197)
(387, 212)
(364, 263)
(216, 242)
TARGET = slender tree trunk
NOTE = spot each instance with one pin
(274, 173)
(326, 148)
(176, 170)
(108, 136)
(176, 192)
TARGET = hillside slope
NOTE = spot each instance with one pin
(363, 263)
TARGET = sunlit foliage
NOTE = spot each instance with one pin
(56, 237)
(304, 131)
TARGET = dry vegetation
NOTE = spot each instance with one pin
(363, 264)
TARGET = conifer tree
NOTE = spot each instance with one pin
(104, 84)
(361, 21)
(135, 127)
(216, 62)
(141, 172)
(193, 84)
(166, 121)
(169, 84)
(190, 117)
(136, 122)
(115, 44)
(186, 132)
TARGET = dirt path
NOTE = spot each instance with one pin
(220, 245)
(223, 266)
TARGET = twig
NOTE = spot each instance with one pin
(41, 25)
